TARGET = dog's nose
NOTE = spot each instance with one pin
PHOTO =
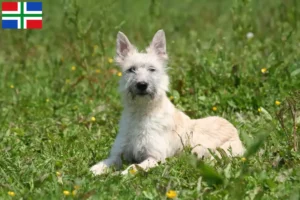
(142, 86)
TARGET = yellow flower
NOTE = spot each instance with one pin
(277, 103)
(132, 171)
(66, 193)
(243, 159)
(119, 73)
(47, 100)
(73, 68)
(74, 192)
(58, 174)
(98, 71)
(259, 109)
(110, 60)
(93, 119)
(263, 70)
(11, 193)
(214, 108)
(171, 194)
(12, 86)
(171, 97)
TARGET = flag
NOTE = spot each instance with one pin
(22, 15)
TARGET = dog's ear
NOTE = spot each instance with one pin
(158, 45)
(123, 47)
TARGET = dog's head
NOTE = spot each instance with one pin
(144, 74)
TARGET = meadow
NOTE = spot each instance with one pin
(60, 107)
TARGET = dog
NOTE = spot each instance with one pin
(151, 128)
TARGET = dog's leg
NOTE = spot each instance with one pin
(113, 160)
(102, 166)
(237, 148)
(145, 165)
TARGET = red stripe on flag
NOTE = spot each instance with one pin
(34, 24)
(9, 6)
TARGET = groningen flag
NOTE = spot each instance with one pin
(22, 15)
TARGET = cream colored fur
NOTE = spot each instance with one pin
(151, 128)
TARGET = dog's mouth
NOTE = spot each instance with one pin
(133, 92)
(142, 93)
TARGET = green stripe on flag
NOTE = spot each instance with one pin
(22, 17)
(19, 15)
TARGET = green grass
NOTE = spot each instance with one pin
(46, 107)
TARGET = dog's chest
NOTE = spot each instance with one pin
(146, 137)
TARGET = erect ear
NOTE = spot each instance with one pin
(123, 47)
(158, 45)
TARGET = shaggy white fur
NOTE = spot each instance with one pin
(151, 128)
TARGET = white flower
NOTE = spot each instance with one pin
(250, 35)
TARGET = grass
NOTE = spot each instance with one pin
(59, 105)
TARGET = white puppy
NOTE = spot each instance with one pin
(151, 128)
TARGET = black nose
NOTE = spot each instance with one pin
(142, 86)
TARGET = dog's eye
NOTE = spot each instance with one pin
(131, 69)
(152, 69)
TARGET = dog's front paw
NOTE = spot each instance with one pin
(100, 168)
